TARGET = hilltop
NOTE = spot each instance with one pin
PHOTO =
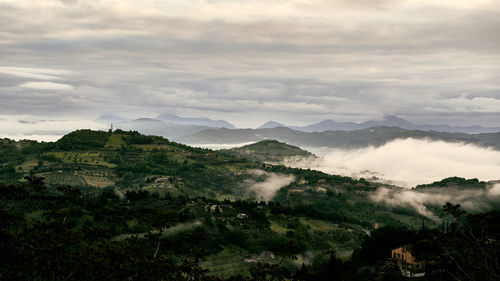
(271, 151)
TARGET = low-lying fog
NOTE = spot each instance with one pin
(407, 162)
(472, 199)
(266, 189)
(402, 162)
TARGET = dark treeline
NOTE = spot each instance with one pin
(60, 234)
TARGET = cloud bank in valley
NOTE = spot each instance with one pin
(408, 162)
(266, 189)
(472, 199)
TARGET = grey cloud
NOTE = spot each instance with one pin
(27, 126)
(150, 60)
(70, 2)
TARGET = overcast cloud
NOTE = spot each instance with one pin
(296, 62)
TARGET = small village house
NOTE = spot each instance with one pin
(406, 260)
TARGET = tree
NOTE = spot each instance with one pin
(37, 183)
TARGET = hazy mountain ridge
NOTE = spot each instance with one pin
(173, 125)
(392, 121)
(156, 127)
(271, 124)
(374, 136)
(201, 121)
(168, 118)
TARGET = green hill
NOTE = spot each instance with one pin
(271, 151)
(124, 182)
(454, 182)
(124, 206)
(128, 161)
(124, 161)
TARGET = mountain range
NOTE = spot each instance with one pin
(166, 125)
(171, 118)
(151, 126)
(391, 121)
(325, 125)
(374, 136)
(327, 133)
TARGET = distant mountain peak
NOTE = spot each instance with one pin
(389, 119)
(271, 124)
(200, 121)
(327, 121)
(109, 117)
(393, 118)
(147, 120)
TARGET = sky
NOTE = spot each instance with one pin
(65, 62)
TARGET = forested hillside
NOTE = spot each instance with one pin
(123, 206)
(271, 151)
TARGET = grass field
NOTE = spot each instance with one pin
(98, 181)
(155, 146)
(277, 227)
(28, 164)
(64, 178)
(228, 262)
(88, 158)
(414, 222)
(162, 188)
(115, 141)
(91, 177)
(98, 177)
(318, 225)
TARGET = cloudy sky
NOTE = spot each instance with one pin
(65, 62)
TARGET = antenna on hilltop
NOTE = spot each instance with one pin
(111, 129)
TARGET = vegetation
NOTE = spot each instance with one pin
(124, 206)
(454, 181)
(70, 234)
(268, 151)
